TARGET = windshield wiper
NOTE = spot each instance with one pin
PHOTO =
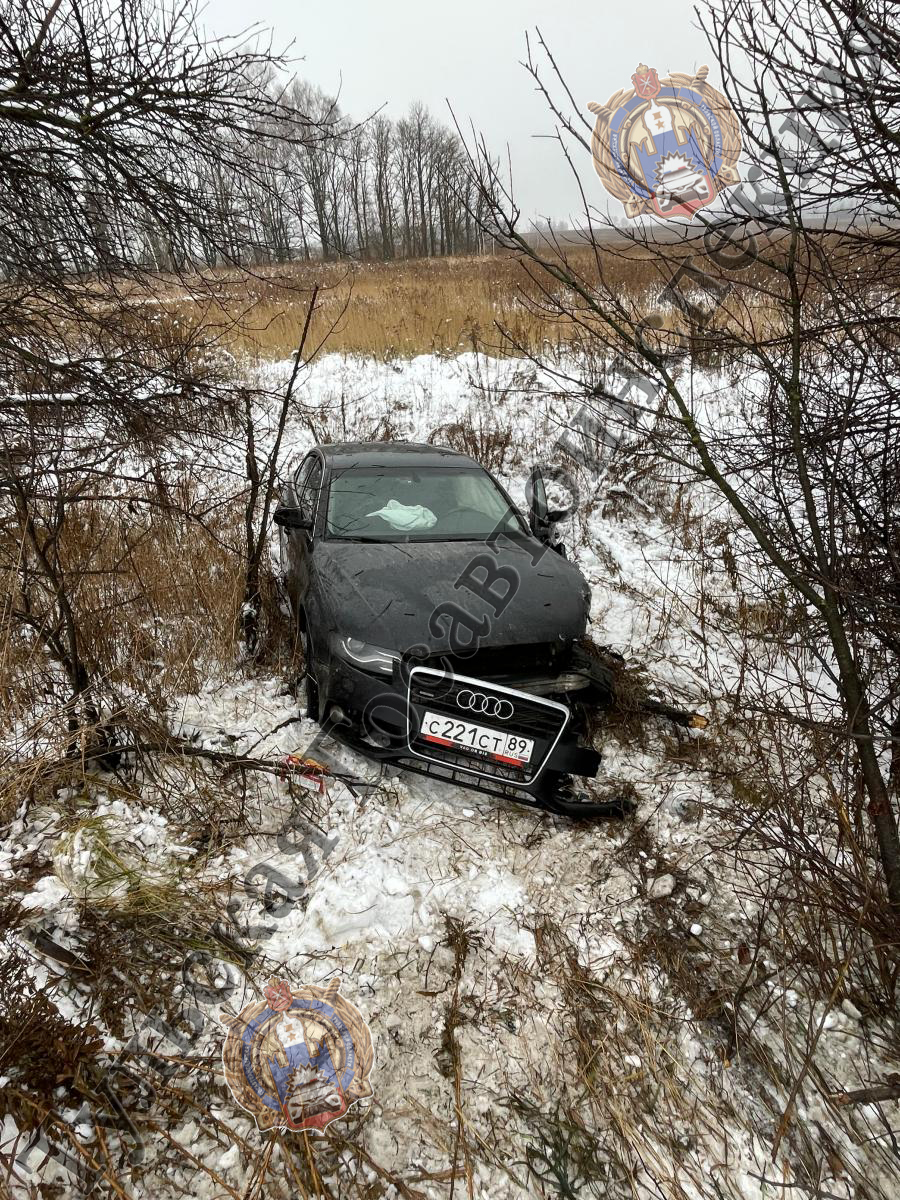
(344, 537)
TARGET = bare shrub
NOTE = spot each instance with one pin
(483, 439)
(811, 426)
(41, 1050)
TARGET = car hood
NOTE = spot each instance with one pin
(386, 593)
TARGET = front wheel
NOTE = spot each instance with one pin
(312, 688)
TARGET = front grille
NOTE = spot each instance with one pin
(541, 721)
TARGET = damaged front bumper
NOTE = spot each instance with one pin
(516, 742)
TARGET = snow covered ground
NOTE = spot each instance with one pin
(551, 1004)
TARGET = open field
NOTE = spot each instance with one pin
(450, 305)
(388, 310)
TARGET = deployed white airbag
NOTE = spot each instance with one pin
(406, 516)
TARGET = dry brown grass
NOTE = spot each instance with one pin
(390, 310)
(447, 305)
(156, 597)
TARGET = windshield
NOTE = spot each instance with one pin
(431, 504)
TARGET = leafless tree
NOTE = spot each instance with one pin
(383, 190)
(382, 142)
(122, 151)
(792, 286)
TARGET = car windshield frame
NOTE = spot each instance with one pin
(515, 528)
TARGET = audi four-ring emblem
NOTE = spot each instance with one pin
(490, 706)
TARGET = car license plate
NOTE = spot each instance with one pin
(479, 739)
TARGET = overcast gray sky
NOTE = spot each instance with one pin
(397, 51)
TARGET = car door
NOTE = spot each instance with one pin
(296, 544)
(308, 487)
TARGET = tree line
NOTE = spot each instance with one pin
(375, 190)
(382, 189)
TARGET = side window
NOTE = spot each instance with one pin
(301, 475)
(308, 484)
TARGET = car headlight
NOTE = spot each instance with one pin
(370, 658)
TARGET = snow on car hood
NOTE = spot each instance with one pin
(386, 593)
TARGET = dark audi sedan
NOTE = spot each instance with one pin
(440, 628)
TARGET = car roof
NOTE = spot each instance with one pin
(393, 454)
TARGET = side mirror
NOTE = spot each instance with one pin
(291, 518)
(542, 519)
(538, 506)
